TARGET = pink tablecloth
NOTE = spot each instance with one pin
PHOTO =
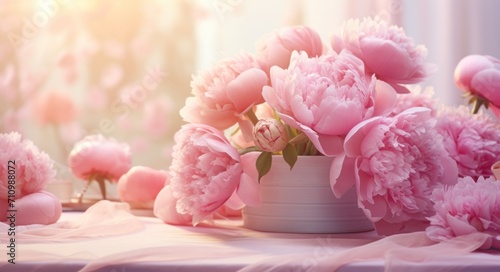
(115, 240)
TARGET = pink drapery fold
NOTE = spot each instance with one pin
(396, 251)
(105, 218)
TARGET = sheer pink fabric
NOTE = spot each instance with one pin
(107, 237)
(397, 251)
(102, 219)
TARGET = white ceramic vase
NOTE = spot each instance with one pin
(301, 201)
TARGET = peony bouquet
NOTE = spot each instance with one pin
(349, 98)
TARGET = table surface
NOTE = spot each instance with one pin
(122, 242)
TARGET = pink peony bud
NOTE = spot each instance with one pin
(480, 76)
(270, 135)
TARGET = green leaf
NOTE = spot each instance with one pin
(263, 163)
(290, 155)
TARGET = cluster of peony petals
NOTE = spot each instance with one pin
(472, 140)
(416, 98)
(327, 96)
(205, 171)
(468, 207)
(24, 172)
(96, 155)
(386, 51)
(224, 92)
(394, 163)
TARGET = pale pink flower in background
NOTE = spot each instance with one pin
(205, 170)
(7, 77)
(394, 163)
(326, 96)
(386, 51)
(224, 92)
(97, 99)
(67, 61)
(472, 140)
(114, 49)
(139, 144)
(11, 120)
(112, 75)
(468, 207)
(416, 98)
(276, 48)
(96, 155)
(270, 135)
(71, 132)
(156, 116)
(140, 186)
(480, 77)
(54, 107)
(33, 170)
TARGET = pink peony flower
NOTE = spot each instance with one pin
(140, 186)
(100, 159)
(386, 51)
(54, 107)
(468, 207)
(24, 172)
(205, 171)
(33, 168)
(472, 140)
(416, 98)
(326, 96)
(270, 135)
(225, 92)
(276, 48)
(394, 163)
(480, 77)
(95, 155)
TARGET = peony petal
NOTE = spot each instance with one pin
(165, 208)
(248, 188)
(38, 208)
(246, 89)
(342, 174)
(375, 211)
(458, 226)
(385, 58)
(385, 98)
(486, 83)
(234, 202)
(356, 136)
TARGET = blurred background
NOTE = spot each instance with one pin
(69, 68)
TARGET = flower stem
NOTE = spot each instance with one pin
(478, 102)
(244, 151)
(84, 190)
(102, 185)
(251, 115)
